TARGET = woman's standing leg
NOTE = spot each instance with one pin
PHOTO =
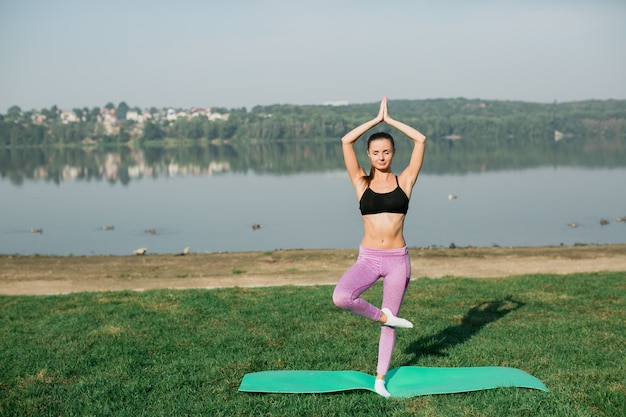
(395, 283)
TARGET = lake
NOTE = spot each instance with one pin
(165, 205)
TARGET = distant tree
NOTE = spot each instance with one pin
(28, 115)
(17, 135)
(152, 131)
(121, 111)
(109, 106)
(14, 113)
(125, 133)
(86, 114)
(79, 113)
(94, 113)
(51, 114)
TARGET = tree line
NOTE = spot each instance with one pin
(438, 119)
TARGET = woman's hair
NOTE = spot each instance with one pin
(381, 135)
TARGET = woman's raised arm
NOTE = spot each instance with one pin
(349, 155)
(409, 175)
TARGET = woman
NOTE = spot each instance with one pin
(384, 200)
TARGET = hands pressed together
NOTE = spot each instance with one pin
(383, 117)
(383, 113)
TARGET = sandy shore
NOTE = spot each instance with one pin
(40, 275)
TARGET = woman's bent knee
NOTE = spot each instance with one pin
(341, 300)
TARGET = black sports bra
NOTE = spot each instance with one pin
(395, 201)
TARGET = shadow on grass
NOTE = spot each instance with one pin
(474, 320)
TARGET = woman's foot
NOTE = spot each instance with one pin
(379, 387)
(393, 321)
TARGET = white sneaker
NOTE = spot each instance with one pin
(379, 387)
(393, 321)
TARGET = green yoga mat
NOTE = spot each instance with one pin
(406, 381)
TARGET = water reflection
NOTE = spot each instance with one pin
(115, 201)
(314, 210)
(125, 164)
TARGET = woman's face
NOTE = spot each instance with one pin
(381, 153)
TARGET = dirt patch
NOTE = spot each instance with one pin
(39, 275)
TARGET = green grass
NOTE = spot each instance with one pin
(184, 352)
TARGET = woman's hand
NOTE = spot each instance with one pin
(356, 133)
(382, 113)
(386, 117)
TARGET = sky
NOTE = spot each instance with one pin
(242, 53)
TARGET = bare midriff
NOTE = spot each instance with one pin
(383, 231)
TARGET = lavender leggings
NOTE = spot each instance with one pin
(394, 266)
